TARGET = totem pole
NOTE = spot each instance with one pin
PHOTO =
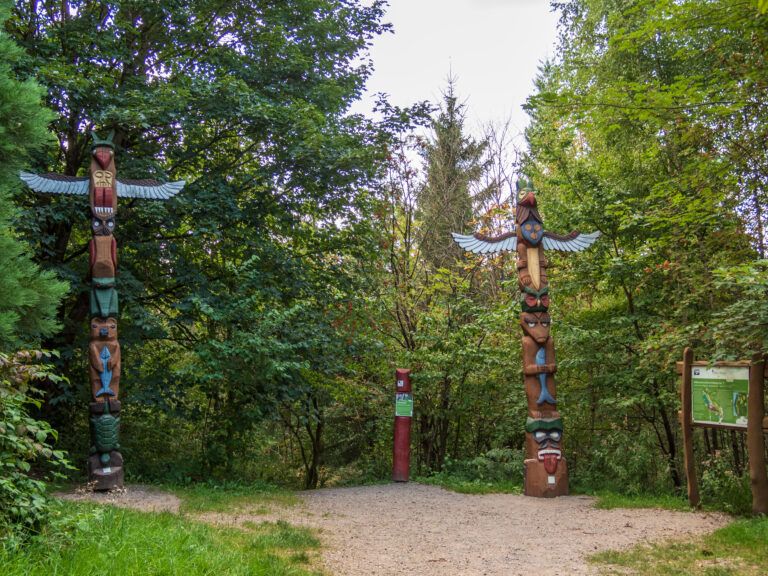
(546, 471)
(105, 463)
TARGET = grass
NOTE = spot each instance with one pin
(254, 498)
(91, 540)
(740, 549)
(464, 486)
(608, 500)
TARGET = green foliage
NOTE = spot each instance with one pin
(722, 489)
(230, 290)
(454, 162)
(90, 540)
(28, 296)
(24, 441)
(739, 548)
(497, 470)
(445, 316)
(648, 127)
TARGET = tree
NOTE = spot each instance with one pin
(248, 102)
(454, 163)
(647, 128)
(433, 305)
(28, 296)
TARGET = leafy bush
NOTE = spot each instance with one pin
(496, 465)
(723, 489)
(497, 470)
(24, 440)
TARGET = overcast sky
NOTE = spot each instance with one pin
(492, 47)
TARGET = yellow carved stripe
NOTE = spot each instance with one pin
(534, 266)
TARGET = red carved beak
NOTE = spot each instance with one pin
(103, 156)
(529, 200)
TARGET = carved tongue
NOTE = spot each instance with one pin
(102, 156)
(550, 463)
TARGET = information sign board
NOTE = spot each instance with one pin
(404, 404)
(719, 395)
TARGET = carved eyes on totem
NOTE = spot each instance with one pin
(532, 300)
(103, 226)
(553, 435)
(532, 322)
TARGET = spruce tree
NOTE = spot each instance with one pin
(28, 295)
(453, 161)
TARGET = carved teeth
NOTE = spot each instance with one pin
(549, 451)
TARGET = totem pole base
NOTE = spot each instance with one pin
(541, 484)
(106, 477)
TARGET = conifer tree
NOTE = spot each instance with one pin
(28, 296)
(453, 161)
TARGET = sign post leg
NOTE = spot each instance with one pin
(755, 438)
(687, 423)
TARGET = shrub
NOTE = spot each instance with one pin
(23, 441)
(723, 489)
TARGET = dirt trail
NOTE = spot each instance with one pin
(410, 528)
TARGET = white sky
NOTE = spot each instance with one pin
(492, 48)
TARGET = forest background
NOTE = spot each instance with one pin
(265, 308)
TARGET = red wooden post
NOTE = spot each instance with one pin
(403, 412)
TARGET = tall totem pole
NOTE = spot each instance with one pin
(105, 463)
(546, 471)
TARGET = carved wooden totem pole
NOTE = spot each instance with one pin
(105, 463)
(546, 471)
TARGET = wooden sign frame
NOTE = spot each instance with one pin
(757, 426)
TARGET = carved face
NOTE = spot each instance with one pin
(103, 155)
(536, 325)
(549, 448)
(104, 329)
(547, 434)
(535, 300)
(102, 226)
(532, 230)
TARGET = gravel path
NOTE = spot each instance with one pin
(398, 529)
(411, 528)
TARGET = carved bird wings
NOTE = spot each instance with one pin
(482, 244)
(60, 184)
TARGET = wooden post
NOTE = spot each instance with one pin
(755, 439)
(687, 423)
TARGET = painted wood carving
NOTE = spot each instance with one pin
(105, 464)
(546, 470)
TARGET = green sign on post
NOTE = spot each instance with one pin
(404, 404)
(719, 395)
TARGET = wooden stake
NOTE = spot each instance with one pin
(687, 423)
(755, 439)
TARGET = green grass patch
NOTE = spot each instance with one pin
(739, 549)
(254, 498)
(608, 500)
(86, 539)
(464, 486)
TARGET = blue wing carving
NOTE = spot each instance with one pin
(480, 244)
(148, 189)
(574, 242)
(55, 183)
